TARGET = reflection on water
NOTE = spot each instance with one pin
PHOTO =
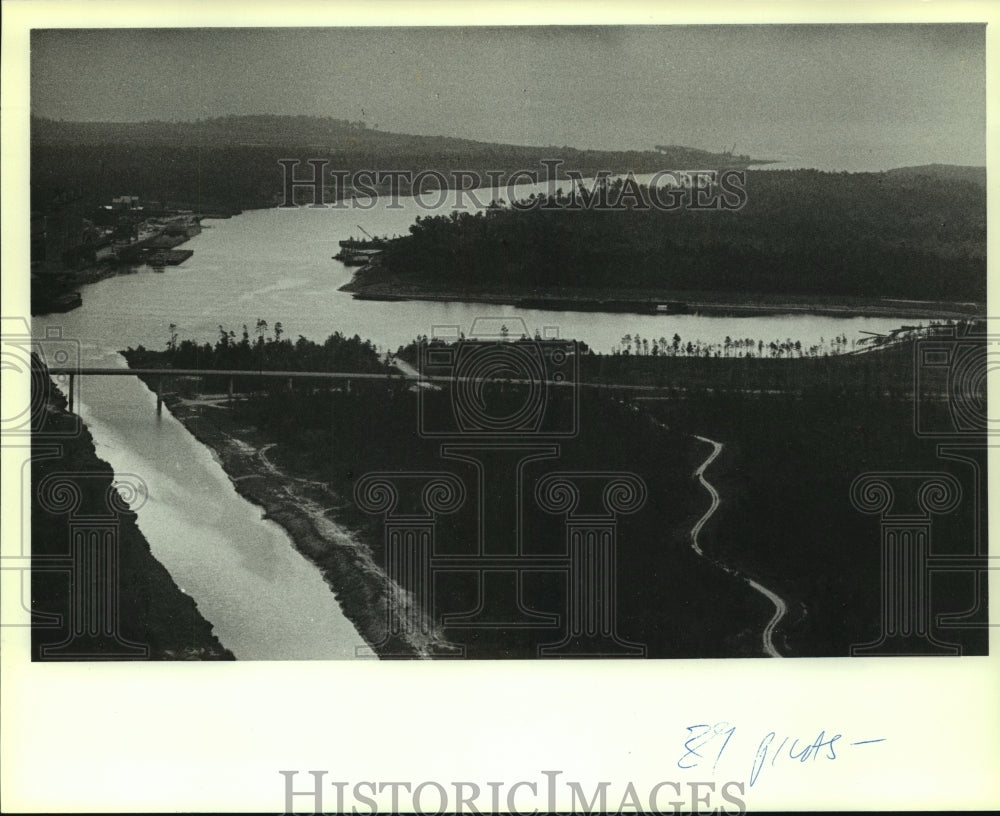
(277, 265)
(264, 599)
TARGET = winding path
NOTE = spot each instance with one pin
(700, 473)
(780, 608)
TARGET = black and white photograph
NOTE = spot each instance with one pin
(621, 346)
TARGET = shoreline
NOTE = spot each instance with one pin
(316, 511)
(54, 283)
(153, 611)
(395, 289)
(318, 523)
(301, 507)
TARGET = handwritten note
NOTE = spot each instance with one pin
(707, 744)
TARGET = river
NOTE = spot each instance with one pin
(264, 599)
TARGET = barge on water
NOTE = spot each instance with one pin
(356, 257)
(43, 304)
(168, 257)
(364, 244)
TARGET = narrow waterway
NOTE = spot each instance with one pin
(264, 599)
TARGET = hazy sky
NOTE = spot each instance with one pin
(841, 96)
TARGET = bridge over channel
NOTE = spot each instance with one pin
(407, 373)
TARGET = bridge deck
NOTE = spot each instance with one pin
(211, 372)
(332, 375)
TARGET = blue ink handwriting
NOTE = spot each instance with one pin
(706, 743)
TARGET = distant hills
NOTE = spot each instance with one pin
(231, 162)
(326, 134)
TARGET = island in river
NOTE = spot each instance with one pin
(867, 244)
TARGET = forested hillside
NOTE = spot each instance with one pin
(232, 162)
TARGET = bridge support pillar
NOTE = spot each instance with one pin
(159, 395)
(72, 381)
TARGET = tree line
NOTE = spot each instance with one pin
(264, 348)
(801, 232)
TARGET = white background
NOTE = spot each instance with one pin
(133, 737)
